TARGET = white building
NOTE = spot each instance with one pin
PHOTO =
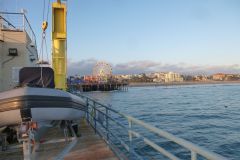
(159, 77)
(173, 77)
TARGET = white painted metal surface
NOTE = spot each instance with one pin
(10, 117)
(186, 144)
(39, 114)
(23, 91)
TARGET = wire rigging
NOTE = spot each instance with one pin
(43, 10)
(44, 27)
(48, 9)
(43, 39)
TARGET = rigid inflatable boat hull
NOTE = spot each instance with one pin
(39, 104)
(10, 117)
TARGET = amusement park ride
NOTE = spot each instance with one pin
(102, 71)
(101, 79)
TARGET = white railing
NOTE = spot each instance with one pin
(17, 22)
(194, 149)
(100, 116)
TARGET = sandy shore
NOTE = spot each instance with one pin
(143, 84)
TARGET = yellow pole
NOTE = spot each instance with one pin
(59, 35)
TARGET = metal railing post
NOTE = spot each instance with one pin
(193, 155)
(23, 22)
(87, 105)
(130, 136)
(1, 22)
(3, 138)
(94, 111)
(107, 123)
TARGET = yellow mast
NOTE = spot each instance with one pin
(59, 35)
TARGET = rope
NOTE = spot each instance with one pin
(46, 49)
(48, 9)
(41, 53)
(44, 42)
(47, 21)
(43, 10)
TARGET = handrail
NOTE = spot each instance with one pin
(95, 108)
(190, 146)
(10, 13)
(20, 23)
(9, 23)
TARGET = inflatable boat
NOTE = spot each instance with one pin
(39, 104)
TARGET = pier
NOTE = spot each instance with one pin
(87, 87)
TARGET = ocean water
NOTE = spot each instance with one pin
(207, 115)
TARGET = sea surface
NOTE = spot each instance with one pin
(207, 115)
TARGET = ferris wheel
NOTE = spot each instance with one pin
(102, 69)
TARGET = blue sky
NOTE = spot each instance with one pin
(170, 32)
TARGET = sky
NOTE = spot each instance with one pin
(134, 36)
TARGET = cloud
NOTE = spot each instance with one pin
(85, 67)
(135, 67)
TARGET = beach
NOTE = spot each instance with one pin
(143, 84)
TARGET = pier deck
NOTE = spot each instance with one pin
(90, 146)
(87, 87)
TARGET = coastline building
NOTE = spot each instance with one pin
(159, 77)
(173, 77)
(120, 78)
(200, 78)
(90, 78)
(232, 77)
(218, 76)
(167, 77)
(225, 77)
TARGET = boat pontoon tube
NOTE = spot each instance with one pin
(39, 104)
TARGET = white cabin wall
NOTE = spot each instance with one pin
(1, 57)
(21, 41)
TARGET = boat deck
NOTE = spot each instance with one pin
(89, 146)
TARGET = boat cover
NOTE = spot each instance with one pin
(37, 77)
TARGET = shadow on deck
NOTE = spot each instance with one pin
(89, 146)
